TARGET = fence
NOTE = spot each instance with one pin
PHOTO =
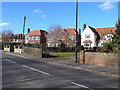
(103, 59)
(38, 52)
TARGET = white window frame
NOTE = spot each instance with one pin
(27, 38)
(71, 37)
(87, 35)
(37, 37)
(32, 37)
(87, 44)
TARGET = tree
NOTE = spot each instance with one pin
(54, 36)
(116, 40)
(6, 36)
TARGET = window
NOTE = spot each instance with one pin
(86, 44)
(37, 37)
(105, 37)
(27, 38)
(32, 37)
(87, 35)
(109, 35)
(71, 37)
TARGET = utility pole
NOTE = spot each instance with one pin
(23, 30)
(76, 30)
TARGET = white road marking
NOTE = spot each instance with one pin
(10, 61)
(35, 70)
(82, 86)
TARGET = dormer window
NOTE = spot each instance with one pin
(108, 36)
(87, 35)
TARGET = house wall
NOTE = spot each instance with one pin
(92, 37)
(32, 41)
(18, 49)
(7, 48)
(102, 59)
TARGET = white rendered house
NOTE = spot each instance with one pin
(94, 37)
(88, 38)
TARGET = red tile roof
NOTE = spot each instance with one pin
(100, 32)
(70, 31)
(35, 32)
(89, 41)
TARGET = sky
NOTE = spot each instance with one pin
(42, 15)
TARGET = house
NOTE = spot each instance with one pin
(17, 38)
(35, 36)
(69, 37)
(94, 37)
(66, 36)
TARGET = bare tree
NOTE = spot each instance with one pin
(6, 35)
(55, 35)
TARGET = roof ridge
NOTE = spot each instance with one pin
(105, 27)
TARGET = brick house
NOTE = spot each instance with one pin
(69, 37)
(35, 36)
(94, 37)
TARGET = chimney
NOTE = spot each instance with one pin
(116, 24)
(28, 30)
(84, 26)
(79, 31)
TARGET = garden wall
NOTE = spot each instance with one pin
(38, 52)
(33, 51)
(103, 59)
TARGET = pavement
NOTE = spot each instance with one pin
(70, 63)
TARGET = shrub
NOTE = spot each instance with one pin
(80, 48)
(61, 47)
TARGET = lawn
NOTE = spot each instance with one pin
(64, 54)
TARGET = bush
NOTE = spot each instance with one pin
(80, 48)
(106, 47)
(61, 47)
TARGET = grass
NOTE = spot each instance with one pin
(64, 54)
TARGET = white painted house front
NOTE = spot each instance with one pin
(88, 38)
(94, 37)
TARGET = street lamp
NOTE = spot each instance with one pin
(76, 30)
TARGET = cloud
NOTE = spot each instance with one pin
(37, 11)
(106, 6)
(43, 16)
(4, 24)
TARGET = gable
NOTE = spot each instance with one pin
(87, 30)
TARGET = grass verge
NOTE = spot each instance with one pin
(64, 54)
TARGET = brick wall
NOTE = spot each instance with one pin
(103, 59)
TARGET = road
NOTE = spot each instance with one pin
(26, 72)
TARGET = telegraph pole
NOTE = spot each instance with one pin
(23, 30)
(76, 30)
